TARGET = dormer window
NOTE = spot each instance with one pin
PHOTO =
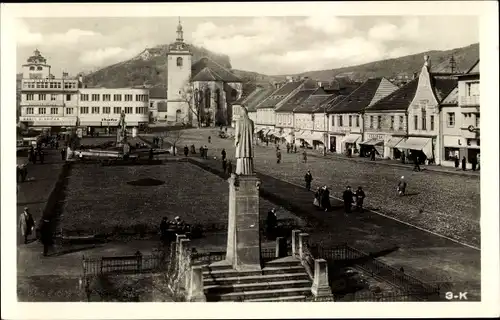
(179, 62)
(32, 68)
(39, 68)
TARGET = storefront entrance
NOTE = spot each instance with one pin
(333, 144)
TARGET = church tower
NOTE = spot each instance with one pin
(179, 74)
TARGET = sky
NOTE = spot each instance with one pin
(268, 45)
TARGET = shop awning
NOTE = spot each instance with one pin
(266, 131)
(299, 134)
(352, 138)
(372, 142)
(414, 143)
(318, 136)
(393, 142)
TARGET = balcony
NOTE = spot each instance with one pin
(469, 101)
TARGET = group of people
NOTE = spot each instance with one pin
(322, 198)
(27, 226)
(158, 142)
(36, 154)
(291, 148)
(475, 162)
(168, 229)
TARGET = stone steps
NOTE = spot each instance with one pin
(251, 279)
(256, 286)
(261, 294)
(231, 273)
(278, 299)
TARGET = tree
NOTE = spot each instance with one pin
(173, 137)
(194, 100)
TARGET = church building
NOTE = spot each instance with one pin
(200, 94)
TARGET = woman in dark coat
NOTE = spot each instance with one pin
(325, 199)
(317, 198)
(464, 163)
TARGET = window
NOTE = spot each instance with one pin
(95, 97)
(141, 97)
(32, 68)
(401, 122)
(58, 85)
(450, 154)
(84, 110)
(68, 97)
(117, 110)
(39, 68)
(477, 120)
(30, 111)
(357, 121)
(54, 110)
(432, 123)
(472, 89)
(415, 122)
(30, 96)
(128, 97)
(371, 122)
(350, 121)
(129, 109)
(179, 62)
(69, 110)
(379, 122)
(106, 97)
(106, 110)
(424, 120)
(42, 111)
(117, 97)
(84, 97)
(53, 97)
(451, 119)
(333, 121)
(392, 122)
(141, 110)
(340, 121)
(95, 110)
(42, 97)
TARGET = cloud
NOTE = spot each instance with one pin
(25, 37)
(409, 30)
(103, 55)
(327, 24)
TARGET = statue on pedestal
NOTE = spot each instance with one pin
(122, 131)
(244, 144)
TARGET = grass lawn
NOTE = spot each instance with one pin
(99, 200)
(443, 203)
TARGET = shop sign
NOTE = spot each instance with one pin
(41, 119)
(109, 120)
(376, 136)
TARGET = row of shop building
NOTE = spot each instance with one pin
(435, 116)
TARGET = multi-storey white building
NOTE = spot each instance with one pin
(99, 109)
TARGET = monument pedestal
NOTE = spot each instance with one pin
(243, 238)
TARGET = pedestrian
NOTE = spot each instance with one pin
(325, 199)
(478, 161)
(457, 162)
(229, 167)
(205, 152)
(225, 129)
(403, 157)
(287, 147)
(164, 224)
(31, 154)
(347, 197)
(223, 154)
(308, 178)
(24, 173)
(151, 154)
(402, 186)
(209, 139)
(193, 149)
(271, 222)
(224, 165)
(42, 155)
(35, 155)
(464, 163)
(317, 198)
(26, 224)
(295, 148)
(186, 151)
(63, 154)
(46, 236)
(304, 156)
(473, 161)
(278, 156)
(267, 142)
(416, 167)
(360, 197)
(202, 152)
(372, 155)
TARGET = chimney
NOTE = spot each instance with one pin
(80, 81)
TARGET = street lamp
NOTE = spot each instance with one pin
(326, 131)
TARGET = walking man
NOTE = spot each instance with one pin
(278, 156)
(205, 152)
(304, 156)
(417, 165)
(186, 151)
(26, 224)
(223, 154)
(224, 165)
(360, 197)
(46, 236)
(308, 178)
(464, 163)
(347, 197)
(402, 186)
(229, 167)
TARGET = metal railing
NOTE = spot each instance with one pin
(137, 263)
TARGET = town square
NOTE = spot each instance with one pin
(183, 168)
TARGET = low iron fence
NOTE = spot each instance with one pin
(137, 263)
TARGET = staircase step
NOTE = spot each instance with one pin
(287, 261)
(209, 280)
(256, 286)
(278, 299)
(267, 270)
(260, 294)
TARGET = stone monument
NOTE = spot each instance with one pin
(121, 133)
(243, 239)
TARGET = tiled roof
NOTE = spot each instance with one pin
(280, 94)
(312, 103)
(259, 95)
(332, 102)
(452, 98)
(206, 74)
(474, 68)
(359, 98)
(443, 85)
(158, 93)
(216, 69)
(295, 100)
(398, 100)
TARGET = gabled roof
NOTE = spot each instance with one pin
(312, 103)
(159, 92)
(399, 100)
(280, 94)
(206, 74)
(452, 98)
(257, 97)
(442, 85)
(360, 98)
(295, 100)
(474, 68)
(216, 69)
(332, 102)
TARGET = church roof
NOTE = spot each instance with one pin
(206, 74)
(216, 71)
